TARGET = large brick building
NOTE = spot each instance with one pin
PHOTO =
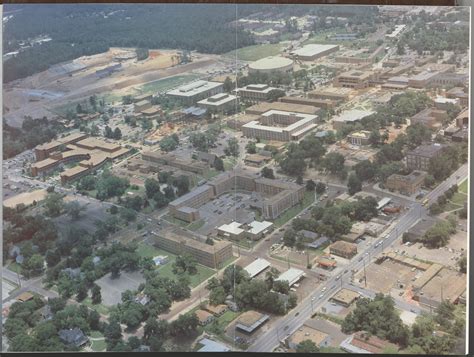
(419, 158)
(179, 241)
(407, 184)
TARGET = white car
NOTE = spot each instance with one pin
(324, 289)
(321, 296)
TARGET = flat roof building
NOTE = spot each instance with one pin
(320, 103)
(349, 116)
(231, 230)
(280, 126)
(249, 321)
(359, 138)
(319, 338)
(354, 79)
(179, 241)
(343, 249)
(261, 108)
(254, 92)
(420, 157)
(430, 117)
(312, 52)
(345, 297)
(331, 93)
(256, 267)
(196, 91)
(406, 184)
(292, 276)
(212, 346)
(221, 102)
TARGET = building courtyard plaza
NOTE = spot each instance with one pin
(279, 179)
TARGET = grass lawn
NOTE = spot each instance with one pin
(15, 267)
(255, 52)
(202, 274)
(196, 225)
(463, 187)
(294, 211)
(225, 319)
(229, 163)
(101, 309)
(98, 346)
(459, 198)
(175, 221)
(211, 173)
(167, 83)
(149, 251)
(96, 334)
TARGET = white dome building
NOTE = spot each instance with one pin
(271, 64)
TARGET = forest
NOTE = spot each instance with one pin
(90, 29)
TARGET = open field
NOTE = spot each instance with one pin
(203, 273)
(463, 187)
(256, 52)
(26, 198)
(165, 84)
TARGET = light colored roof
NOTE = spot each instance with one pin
(194, 88)
(313, 49)
(73, 171)
(25, 296)
(218, 99)
(256, 267)
(250, 320)
(142, 102)
(44, 163)
(232, 228)
(272, 62)
(212, 346)
(203, 315)
(292, 275)
(346, 296)
(308, 333)
(257, 227)
(353, 115)
(384, 201)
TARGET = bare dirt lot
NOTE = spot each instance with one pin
(27, 198)
(39, 94)
(112, 289)
(385, 276)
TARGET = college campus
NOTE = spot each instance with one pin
(280, 179)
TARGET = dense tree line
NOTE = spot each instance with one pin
(379, 317)
(33, 132)
(91, 29)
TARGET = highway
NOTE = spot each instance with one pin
(291, 322)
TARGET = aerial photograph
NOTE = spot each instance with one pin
(235, 177)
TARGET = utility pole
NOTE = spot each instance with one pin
(365, 276)
(288, 259)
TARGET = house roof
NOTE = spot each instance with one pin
(73, 336)
(26, 296)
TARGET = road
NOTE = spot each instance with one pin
(291, 322)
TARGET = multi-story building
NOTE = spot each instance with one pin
(354, 79)
(332, 93)
(190, 94)
(179, 241)
(42, 151)
(359, 138)
(459, 93)
(430, 117)
(406, 184)
(172, 160)
(349, 117)
(254, 92)
(280, 126)
(320, 103)
(221, 102)
(263, 107)
(462, 120)
(313, 51)
(419, 158)
(278, 196)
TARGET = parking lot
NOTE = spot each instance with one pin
(112, 289)
(225, 209)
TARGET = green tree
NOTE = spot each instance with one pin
(354, 184)
(310, 185)
(289, 237)
(232, 148)
(268, 173)
(168, 143)
(251, 147)
(74, 209)
(307, 346)
(152, 186)
(333, 162)
(320, 188)
(53, 204)
(217, 296)
(219, 164)
(96, 296)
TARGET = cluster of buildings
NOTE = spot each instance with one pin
(91, 153)
(277, 195)
(254, 230)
